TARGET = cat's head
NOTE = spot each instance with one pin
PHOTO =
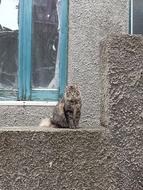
(72, 92)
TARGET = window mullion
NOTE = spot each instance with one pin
(63, 45)
(20, 52)
(130, 16)
(25, 38)
(28, 46)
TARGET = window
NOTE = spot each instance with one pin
(33, 49)
(136, 17)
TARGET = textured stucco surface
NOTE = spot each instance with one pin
(89, 22)
(23, 115)
(104, 158)
(122, 68)
(55, 160)
(122, 110)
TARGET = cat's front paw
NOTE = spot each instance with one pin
(72, 127)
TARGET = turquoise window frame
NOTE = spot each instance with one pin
(25, 91)
(24, 53)
(130, 16)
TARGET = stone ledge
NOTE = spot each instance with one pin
(45, 129)
(55, 159)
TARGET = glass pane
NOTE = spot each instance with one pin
(8, 44)
(45, 59)
(138, 16)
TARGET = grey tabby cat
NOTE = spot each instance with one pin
(67, 112)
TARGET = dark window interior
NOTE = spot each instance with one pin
(138, 16)
(8, 44)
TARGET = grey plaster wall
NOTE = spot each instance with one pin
(122, 89)
(122, 106)
(23, 115)
(106, 158)
(89, 22)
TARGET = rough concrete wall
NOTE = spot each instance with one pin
(122, 110)
(89, 23)
(122, 68)
(100, 159)
(23, 115)
(55, 160)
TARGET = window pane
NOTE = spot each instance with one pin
(138, 16)
(45, 64)
(8, 44)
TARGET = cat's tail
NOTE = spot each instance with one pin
(46, 123)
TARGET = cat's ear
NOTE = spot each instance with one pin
(76, 86)
(78, 91)
(67, 87)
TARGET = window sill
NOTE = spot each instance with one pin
(28, 103)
